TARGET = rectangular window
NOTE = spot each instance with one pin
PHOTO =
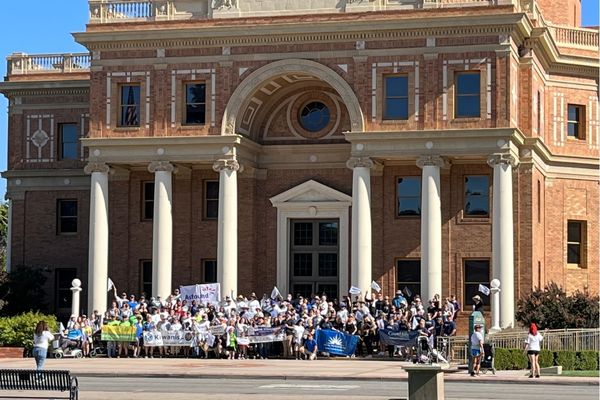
(408, 277)
(146, 277)
(147, 200)
(66, 211)
(69, 142)
(195, 103)
(211, 199)
(396, 97)
(477, 272)
(409, 196)
(477, 199)
(575, 236)
(209, 271)
(575, 121)
(467, 97)
(64, 296)
(129, 105)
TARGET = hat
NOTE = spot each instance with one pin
(477, 326)
(398, 291)
(476, 297)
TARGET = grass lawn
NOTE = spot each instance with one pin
(590, 374)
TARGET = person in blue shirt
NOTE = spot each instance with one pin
(309, 350)
(73, 338)
(132, 303)
(399, 301)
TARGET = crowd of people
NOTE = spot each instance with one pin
(297, 318)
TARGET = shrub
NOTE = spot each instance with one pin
(567, 359)
(509, 359)
(546, 359)
(587, 361)
(551, 308)
(18, 331)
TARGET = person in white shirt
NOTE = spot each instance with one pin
(476, 349)
(41, 338)
(532, 346)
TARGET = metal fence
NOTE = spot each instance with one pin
(457, 347)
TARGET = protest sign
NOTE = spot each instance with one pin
(334, 342)
(118, 333)
(391, 337)
(209, 293)
(265, 334)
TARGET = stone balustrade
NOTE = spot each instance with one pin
(108, 11)
(577, 37)
(24, 64)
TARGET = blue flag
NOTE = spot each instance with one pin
(337, 343)
(398, 338)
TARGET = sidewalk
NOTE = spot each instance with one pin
(324, 369)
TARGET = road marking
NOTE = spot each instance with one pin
(310, 387)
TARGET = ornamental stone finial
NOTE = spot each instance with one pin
(432, 161)
(356, 162)
(502, 158)
(96, 167)
(166, 166)
(224, 163)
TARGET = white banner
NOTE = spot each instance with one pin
(168, 338)
(205, 294)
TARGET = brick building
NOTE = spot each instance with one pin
(429, 146)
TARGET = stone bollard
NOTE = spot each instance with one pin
(76, 289)
(425, 382)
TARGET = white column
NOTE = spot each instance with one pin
(431, 227)
(75, 290)
(502, 235)
(495, 289)
(361, 224)
(227, 240)
(98, 237)
(9, 234)
(162, 228)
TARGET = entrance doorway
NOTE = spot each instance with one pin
(314, 257)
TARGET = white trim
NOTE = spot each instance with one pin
(311, 200)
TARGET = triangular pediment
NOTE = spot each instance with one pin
(310, 191)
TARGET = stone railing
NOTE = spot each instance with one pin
(24, 64)
(107, 11)
(577, 37)
(565, 36)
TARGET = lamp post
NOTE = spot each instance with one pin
(495, 289)
(75, 289)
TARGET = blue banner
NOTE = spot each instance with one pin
(337, 343)
(390, 337)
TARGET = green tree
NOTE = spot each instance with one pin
(23, 291)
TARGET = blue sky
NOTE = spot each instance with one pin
(33, 26)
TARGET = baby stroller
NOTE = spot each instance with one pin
(424, 353)
(487, 361)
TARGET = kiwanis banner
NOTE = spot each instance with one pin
(334, 342)
(118, 333)
(168, 338)
(390, 337)
(205, 294)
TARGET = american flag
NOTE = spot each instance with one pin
(131, 112)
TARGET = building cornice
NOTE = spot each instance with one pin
(232, 33)
(45, 88)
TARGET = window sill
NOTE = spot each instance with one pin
(576, 140)
(127, 128)
(67, 234)
(576, 267)
(394, 121)
(409, 217)
(463, 220)
(465, 119)
(193, 126)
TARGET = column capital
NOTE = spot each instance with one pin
(166, 166)
(502, 158)
(225, 163)
(96, 167)
(356, 162)
(432, 161)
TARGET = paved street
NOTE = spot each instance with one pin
(100, 388)
(324, 379)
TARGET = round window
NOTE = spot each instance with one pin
(314, 116)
